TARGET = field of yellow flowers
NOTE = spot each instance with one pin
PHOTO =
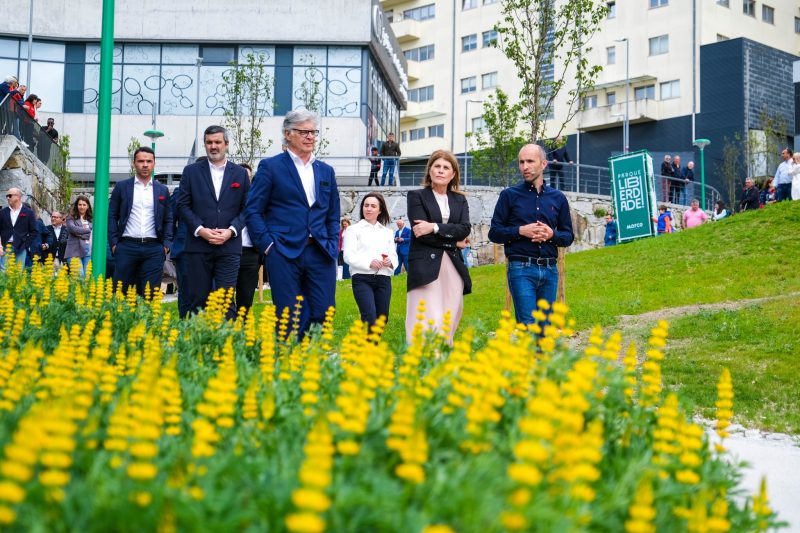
(117, 416)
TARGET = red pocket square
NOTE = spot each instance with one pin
(235, 185)
(161, 198)
(23, 215)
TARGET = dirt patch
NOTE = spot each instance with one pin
(630, 324)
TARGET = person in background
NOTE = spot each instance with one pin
(39, 244)
(390, 151)
(795, 172)
(610, 238)
(667, 171)
(719, 211)
(558, 157)
(402, 238)
(340, 260)
(439, 217)
(176, 254)
(694, 216)
(677, 188)
(247, 279)
(79, 227)
(688, 181)
(56, 238)
(750, 196)
(783, 177)
(370, 251)
(374, 166)
(768, 194)
(49, 137)
(17, 228)
(31, 105)
(663, 221)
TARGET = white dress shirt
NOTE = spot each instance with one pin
(306, 171)
(14, 215)
(246, 242)
(57, 230)
(142, 220)
(364, 242)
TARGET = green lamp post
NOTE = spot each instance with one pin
(153, 134)
(702, 143)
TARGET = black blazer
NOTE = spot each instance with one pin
(198, 206)
(119, 209)
(56, 247)
(24, 231)
(426, 252)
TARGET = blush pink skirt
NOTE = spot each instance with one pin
(444, 294)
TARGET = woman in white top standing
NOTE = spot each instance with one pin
(369, 249)
(795, 173)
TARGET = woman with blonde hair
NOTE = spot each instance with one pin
(439, 217)
(795, 173)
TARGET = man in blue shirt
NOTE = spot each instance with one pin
(403, 239)
(532, 220)
(783, 180)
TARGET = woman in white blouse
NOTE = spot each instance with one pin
(795, 173)
(369, 249)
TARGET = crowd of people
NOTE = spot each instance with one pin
(678, 188)
(25, 118)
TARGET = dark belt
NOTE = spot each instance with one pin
(141, 240)
(311, 240)
(541, 261)
(249, 250)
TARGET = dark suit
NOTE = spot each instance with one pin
(56, 247)
(24, 231)
(211, 265)
(176, 254)
(426, 252)
(302, 240)
(138, 261)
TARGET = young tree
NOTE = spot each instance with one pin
(732, 167)
(64, 185)
(546, 40)
(133, 145)
(498, 142)
(314, 100)
(248, 101)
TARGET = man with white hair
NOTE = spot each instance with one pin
(292, 216)
(17, 228)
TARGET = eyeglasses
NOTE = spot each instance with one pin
(306, 133)
(10, 195)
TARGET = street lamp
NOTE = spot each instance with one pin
(702, 143)
(466, 122)
(199, 63)
(622, 116)
(153, 134)
(626, 123)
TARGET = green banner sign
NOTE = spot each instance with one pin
(634, 194)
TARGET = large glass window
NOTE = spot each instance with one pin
(421, 13)
(489, 80)
(670, 89)
(416, 134)
(489, 38)
(47, 70)
(768, 14)
(647, 92)
(659, 45)
(421, 94)
(469, 42)
(611, 98)
(436, 131)
(749, 7)
(468, 85)
(423, 53)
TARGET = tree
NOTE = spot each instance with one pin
(247, 102)
(546, 40)
(314, 100)
(764, 144)
(133, 145)
(64, 185)
(732, 166)
(498, 142)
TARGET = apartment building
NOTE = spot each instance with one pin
(670, 60)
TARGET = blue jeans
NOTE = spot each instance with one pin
(784, 192)
(388, 167)
(402, 262)
(530, 283)
(20, 256)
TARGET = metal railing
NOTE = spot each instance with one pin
(14, 120)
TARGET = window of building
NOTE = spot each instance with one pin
(423, 53)
(416, 134)
(420, 13)
(421, 94)
(768, 14)
(389, 16)
(612, 9)
(468, 85)
(403, 136)
(489, 38)
(658, 3)
(648, 92)
(469, 42)
(670, 89)
(469, 4)
(721, 38)
(487, 2)
(611, 98)
(659, 45)
(724, 3)
(478, 124)
(611, 55)
(749, 7)
(489, 80)
(436, 131)
(797, 24)
(590, 102)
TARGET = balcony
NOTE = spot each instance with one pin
(389, 4)
(406, 30)
(611, 116)
(418, 111)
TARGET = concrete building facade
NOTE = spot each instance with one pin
(170, 58)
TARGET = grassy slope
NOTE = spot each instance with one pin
(748, 256)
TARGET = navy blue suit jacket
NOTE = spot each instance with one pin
(119, 209)
(198, 205)
(278, 212)
(179, 228)
(24, 231)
